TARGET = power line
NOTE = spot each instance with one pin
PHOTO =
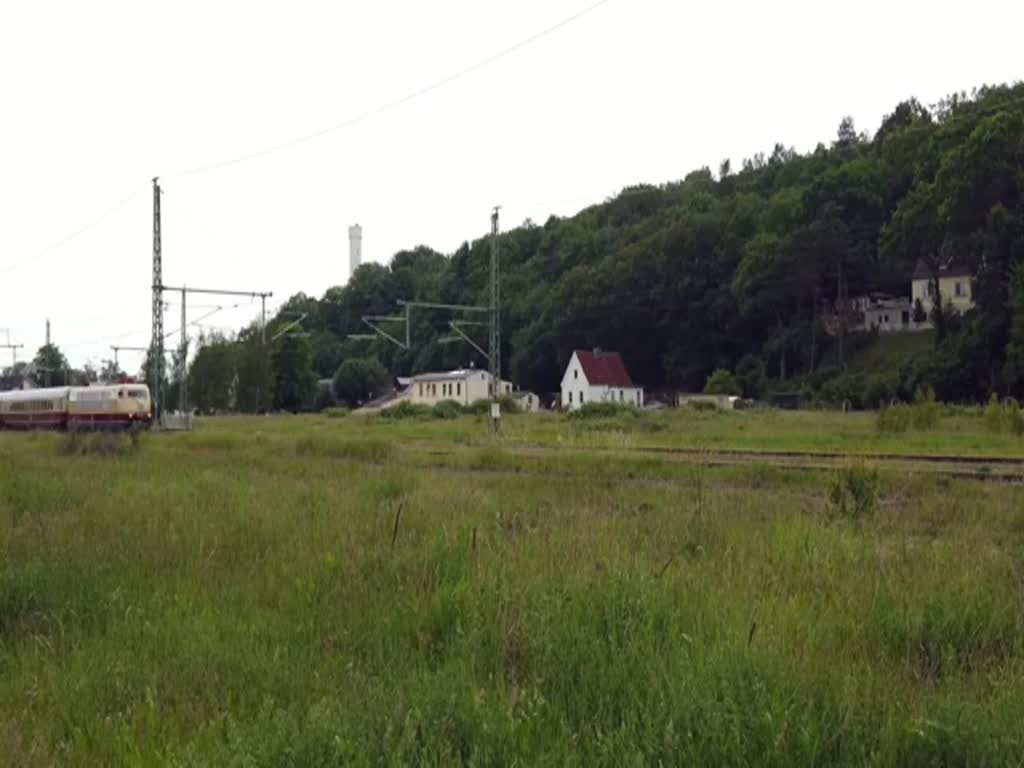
(388, 106)
(77, 233)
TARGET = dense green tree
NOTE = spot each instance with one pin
(294, 380)
(750, 376)
(50, 367)
(110, 372)
(211, 377)
(359, 380)
(722, 382)
(1014, 367)
(254, 390)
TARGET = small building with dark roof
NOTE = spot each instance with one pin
(598, 377)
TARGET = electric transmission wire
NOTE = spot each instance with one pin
(347, 123)
(401, 101)
(77, 233)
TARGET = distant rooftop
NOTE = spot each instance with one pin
(922, 271)
(604, 369)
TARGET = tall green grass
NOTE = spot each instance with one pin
(303, 592)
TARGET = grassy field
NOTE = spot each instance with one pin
(962, 432)
(312, 591)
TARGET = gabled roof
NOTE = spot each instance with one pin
(922, 272)
(604, 369)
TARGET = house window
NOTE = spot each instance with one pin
(570, 398)
(929, 290)
(959, 288)
(622, 396)
(581, 397)
(458, 388)
(575, 373)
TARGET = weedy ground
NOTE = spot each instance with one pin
(314, 591)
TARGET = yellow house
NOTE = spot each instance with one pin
(954, 285)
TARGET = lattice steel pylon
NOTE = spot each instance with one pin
(156, 347)
(495, 351)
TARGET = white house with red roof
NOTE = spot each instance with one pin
(598, 377)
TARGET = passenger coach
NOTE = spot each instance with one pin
(121, 406)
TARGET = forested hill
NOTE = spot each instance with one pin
(694, 275)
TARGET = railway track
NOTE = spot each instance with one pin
(924, 458)
(1002, 469)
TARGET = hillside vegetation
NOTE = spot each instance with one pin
(723, 269)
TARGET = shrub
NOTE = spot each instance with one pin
(602, 411)
(700, 405)
(337, 412)
(406, 410)
(722, 382)
(926, 411)
(446, 409)
(483, 407)
(844, 390)
(853, 492)
(1005, 416)
(895, 418)
(878, 391)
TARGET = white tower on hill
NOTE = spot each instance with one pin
(355, 248)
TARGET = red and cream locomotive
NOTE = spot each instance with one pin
(119, 406)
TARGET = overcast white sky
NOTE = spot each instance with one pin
(98, 97)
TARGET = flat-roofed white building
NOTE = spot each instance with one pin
(464, 386)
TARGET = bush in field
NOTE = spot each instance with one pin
(894, 418)
(447, 409)
(926, 411)
(483, 407)
(722, 382)
(406, 410)
(853, 493)
(1005, 416)
(846, 390)
(701, 405)
(602, 411)
(923, 413)
(878, 391)
(337, 412)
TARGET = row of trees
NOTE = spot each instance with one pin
(51, 368)
(694, 276)
(756, 266)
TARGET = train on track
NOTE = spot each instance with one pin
(115, 407)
